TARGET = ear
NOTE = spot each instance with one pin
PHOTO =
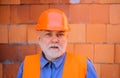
(38, 35)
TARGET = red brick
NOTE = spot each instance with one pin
(87, 1)
(17, 34)
(32, 34)
(49, 1)
(84, 49)
(5, 1)
(113, 33)
(64, 8)
(64, 1)
(109, 1)
(10, 70)
(4, 34)
(110, 71)
(1, 70)
(35, 11)
(30, 1)
(38, 49)
(44, 1)
(9, 1)
(15, 1)
(8, 53)
(51, 6)
(20, 14)
(99, 13)
(4, 14)
(96, 33)
(115, 14)
(73, 36)
(117, 53)
(98, 70)
(70, 48)
(24, 50)
(104, 53)
(79, 13)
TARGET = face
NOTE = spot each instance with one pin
(52, 43)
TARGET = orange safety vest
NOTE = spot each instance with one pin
(75, 66)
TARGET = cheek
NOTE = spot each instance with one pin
(63, 41)
(43, 42)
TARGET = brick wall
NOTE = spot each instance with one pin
(95, 32)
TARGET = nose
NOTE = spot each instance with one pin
(55, 39)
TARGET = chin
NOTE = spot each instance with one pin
(56, 54)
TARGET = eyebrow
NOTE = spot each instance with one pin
(56, 31)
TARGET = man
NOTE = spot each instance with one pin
(55, 62)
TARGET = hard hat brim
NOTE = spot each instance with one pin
(40, 28)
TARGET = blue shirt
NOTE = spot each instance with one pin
(54, 69)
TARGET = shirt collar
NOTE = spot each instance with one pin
(57, 62)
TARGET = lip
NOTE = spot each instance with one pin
(54, 47)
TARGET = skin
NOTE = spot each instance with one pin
(52, 43)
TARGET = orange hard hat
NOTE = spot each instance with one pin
(53, 19)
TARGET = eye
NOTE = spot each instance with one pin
(60, 34)
(48, 34)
